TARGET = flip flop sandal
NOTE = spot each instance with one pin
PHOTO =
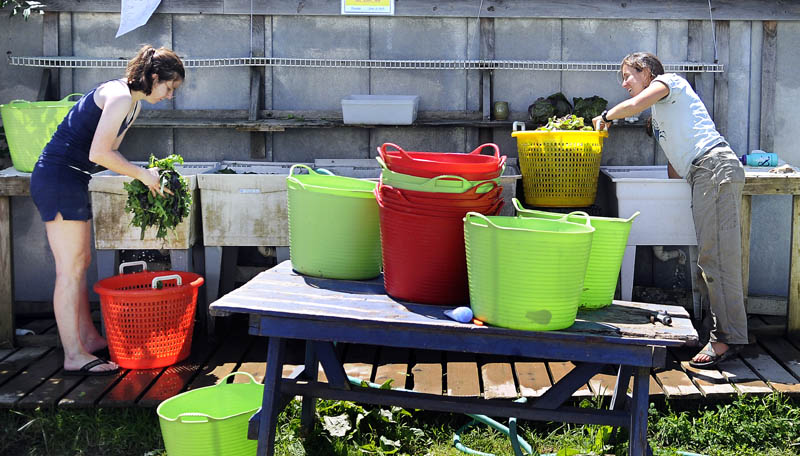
(86, 369)
(708, 350)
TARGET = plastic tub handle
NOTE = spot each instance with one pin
(403, 153)
(482, 146)
(630, 219)
(578, 214)
(222, 380)
(480, 216)
(167, 277)
(300, 165)
(18, 101)
(193, 415)
(381, 162)
(474, 190)
(518, 124)
(324, 171)
(143, 264)
(76, 94)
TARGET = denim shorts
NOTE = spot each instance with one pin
(57, 188)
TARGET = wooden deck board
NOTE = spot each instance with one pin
(533, 378)
(427, 372)
(393, 365)
(770, 370)
(175, 378)
(32, 376)
(498, 380)
(462, 375)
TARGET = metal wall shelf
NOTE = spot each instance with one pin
(535, 65)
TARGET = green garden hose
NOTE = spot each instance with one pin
(517, 443)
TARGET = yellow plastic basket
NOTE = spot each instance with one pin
(559, 168)
(29, 125)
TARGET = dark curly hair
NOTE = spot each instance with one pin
(641, 60)
(149, 61)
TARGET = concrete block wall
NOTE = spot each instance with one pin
(351, 37)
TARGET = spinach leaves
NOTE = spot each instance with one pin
(163, 212)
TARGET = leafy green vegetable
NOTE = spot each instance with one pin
(540, 111)
(568, 122)
(163, 212)
(225, 170)
(560, 104)
(589, 108)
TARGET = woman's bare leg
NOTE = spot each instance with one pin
(70, 244)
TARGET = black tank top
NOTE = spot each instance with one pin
(72, 140)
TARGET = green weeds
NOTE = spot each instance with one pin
(749, 425)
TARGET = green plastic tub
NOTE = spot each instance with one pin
(29, 125)
(334, 227)
(438, 184)
(526, 273)
(605, 258)
(211, 421)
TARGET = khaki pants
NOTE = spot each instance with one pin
(717, 179)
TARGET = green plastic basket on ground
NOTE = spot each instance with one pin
(605, 258)
(526, 273)
(438, 184)
(29, 125)
(334, 226)
(211, 421)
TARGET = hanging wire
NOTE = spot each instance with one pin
(713, 32)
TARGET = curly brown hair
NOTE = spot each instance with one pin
(149, 61)
(641, 60)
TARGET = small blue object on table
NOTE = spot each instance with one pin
(283, 304)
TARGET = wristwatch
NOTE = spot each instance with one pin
(603, 116)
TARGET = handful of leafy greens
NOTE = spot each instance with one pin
(568, 122)
(163, 212)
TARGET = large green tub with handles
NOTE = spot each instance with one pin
(605, 258)
(526, 273)
(211, 421)
(334, 227)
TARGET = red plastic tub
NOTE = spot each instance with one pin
(472, 166)
(391, 198)
(424, 259)
(484, 200)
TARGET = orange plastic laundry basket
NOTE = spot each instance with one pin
(149, 316)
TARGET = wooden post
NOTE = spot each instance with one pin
(768, 81)
(721, 79)
(486, 53)
(257, 143)
(6, 276)
(793, 311)
(745, 225)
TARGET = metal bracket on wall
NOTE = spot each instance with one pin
(535, 65)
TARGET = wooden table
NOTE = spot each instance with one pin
(763, 183)
(12, 183)
(285, 305)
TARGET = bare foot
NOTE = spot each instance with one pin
(94, 343)
(718, 347)
(74, 364)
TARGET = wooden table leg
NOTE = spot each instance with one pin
(746, 212)
(272, 396)
(793, 310)
(641, 395)
(309, 403)
(6, 276)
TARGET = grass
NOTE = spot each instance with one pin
(749, 425)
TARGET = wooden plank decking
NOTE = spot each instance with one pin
(31, 376)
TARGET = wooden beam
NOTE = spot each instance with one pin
(793, 311)
(65, 48)
(6, 276)
(768, 81)
(721, 79)
(568, 9)
(745, 226)
(50, 46)
(487, 53)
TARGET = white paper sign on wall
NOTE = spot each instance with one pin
(368, 7)
(134, 14)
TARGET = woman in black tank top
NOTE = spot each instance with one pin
(91, 133)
